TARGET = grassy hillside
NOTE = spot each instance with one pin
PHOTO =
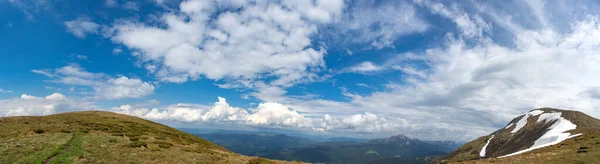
(581, 149)
(105, 137)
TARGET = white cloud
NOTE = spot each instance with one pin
(364, 67)
(105, 86)
(27, 97)
(4, 91)
(56, 96)
(123, 87)
(377, 23)
(29, 105)
(259, 40)
(43, 72)
(117, 51)
(133, 6)
(82, 26)
(266, 115)
(480, 87)
(361, 123)
(471, 86)
(470, 24)
(278, 115)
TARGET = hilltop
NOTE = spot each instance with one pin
(544, 135)
(105, 137)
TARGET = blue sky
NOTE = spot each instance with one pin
(428, 69)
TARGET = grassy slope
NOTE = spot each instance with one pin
(564, 152)
(94, 137)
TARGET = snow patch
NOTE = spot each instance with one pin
(521, 123)
(555, 134)
(536, 112)
(509, 125)
(482, 152)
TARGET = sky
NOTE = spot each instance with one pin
(433, 70)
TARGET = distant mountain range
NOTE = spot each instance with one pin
(334, 150)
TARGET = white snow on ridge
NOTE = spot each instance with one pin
(509, 125)
(482, 152)
(555, 134)
(536, 112)
(523, 121)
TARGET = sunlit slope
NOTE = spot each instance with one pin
(105, 137)
(540, 136)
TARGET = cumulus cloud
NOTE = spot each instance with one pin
(265, 115)
(26, 96)
(82, 26)
(123, 87)
(29, 105)
(471, 84)
(481, 85)
(105, 86)
(235, 40)
(56, 96)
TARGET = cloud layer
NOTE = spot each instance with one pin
(104, 86)
(234, 40)
(28, 105)
(265, 115)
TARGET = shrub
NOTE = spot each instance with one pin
(39, 131)
(134, 139)
(112, 140)
(138, 143)
(163, 144)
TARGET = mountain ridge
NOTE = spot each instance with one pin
(534, 131)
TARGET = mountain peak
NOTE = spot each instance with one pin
(535, 129)
(399, 140)
(399, 136)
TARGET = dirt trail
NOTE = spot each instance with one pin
(67, 147)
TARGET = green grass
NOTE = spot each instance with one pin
(564, 152)
(104, 137)
(32, 149)
(75, 150)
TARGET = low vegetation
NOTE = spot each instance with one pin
(580, 149)
(105, 137)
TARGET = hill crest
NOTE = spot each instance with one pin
(105, 137)
(533, 130)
